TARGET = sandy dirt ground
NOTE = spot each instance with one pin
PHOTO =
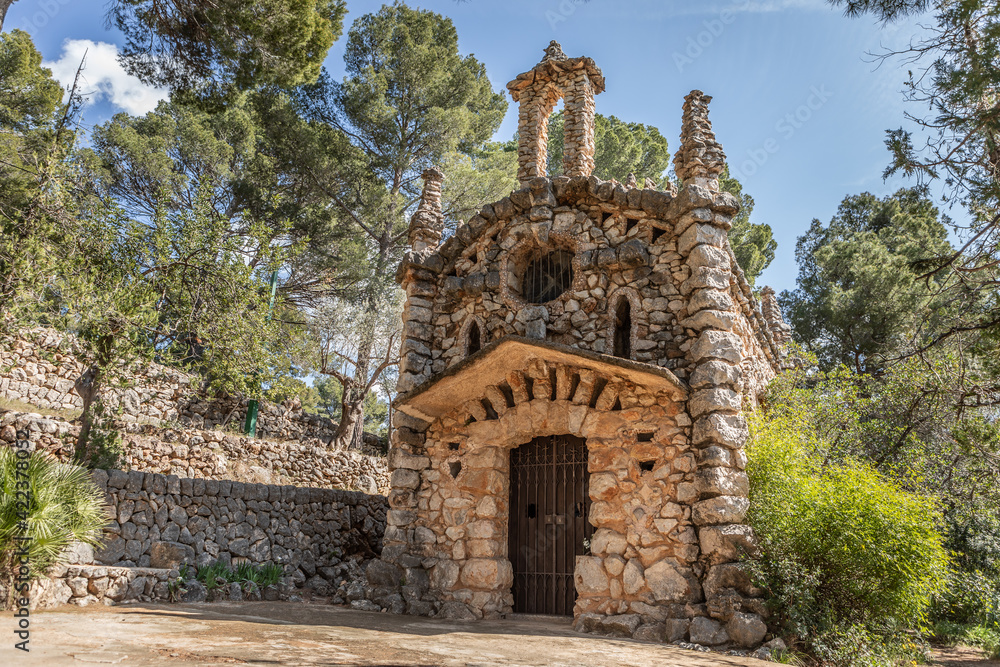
(268, 633)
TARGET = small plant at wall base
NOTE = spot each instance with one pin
(850, 561)
(65, 507)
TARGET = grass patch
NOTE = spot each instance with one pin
(8, 404)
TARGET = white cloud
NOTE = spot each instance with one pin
(103, 76)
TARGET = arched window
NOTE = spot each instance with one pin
(623, 329)
(548, 275)
(474, 338)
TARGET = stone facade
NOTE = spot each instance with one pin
(214, 454)
(585, 308)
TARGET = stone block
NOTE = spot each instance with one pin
(728, 430)
(707, 632)
(716, 399)
(713, 482)
(620, 625)
(747, 630)
(605, 541)
(590, 576)
(720, 510)
(723, 544)
(717, 345)
(170, 555)
(666, 583)
(700, 233)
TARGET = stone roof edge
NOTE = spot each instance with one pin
(755, 315)
(567, 191)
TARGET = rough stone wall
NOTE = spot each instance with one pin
(215, 454)
(310, 531)
(84, 585)
(627, 244)
(448, 526)
(40, 366)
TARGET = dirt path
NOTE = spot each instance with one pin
(266, 633)
(961, 656)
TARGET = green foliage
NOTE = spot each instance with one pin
(187, 43)
(871, 247)
(65, 507)
(218, 574)
(620, 148)
(752, 243)
(287, 387)
(848, 557)
(36, 178)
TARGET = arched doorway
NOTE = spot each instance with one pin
(549, 506)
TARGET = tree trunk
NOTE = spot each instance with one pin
(352, 419)
(87, 386)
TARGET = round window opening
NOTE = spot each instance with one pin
(548, 276)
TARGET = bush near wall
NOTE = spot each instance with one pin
(850, 561)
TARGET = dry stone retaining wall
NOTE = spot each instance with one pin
(40, 366)
(215, 454)
(162, 520)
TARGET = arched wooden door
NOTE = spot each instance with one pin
(549, 505)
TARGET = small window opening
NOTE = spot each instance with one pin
(646, 466)
(618, 405)
(453, 446)
(657, 233)
(548, 276)
(605, 216)
(475, 338)
(455, 467)
(630, 224)
(491, 412)
(645, 437)
(623, 330)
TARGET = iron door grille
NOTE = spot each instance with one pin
(549, 505)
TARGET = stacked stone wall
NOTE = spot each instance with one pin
(214, 454)
(40, 366)
(160, 520)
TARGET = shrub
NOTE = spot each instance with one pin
(65, 507)
(849, 558)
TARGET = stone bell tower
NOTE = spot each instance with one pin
(575, 80)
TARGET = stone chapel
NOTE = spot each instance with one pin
(567, 437)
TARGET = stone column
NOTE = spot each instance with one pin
(719, 433)
(700, 159)
(781, 332)
(578, 146)
(533, 131)
(427, 224)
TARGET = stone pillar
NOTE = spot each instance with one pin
(578, 146)
(577, 80)
(719, 433)
(427, 224)
(699, 159)
(781, 332)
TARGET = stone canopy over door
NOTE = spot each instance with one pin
(516, 391)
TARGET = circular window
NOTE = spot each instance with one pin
(547, 276)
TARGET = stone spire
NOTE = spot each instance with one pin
(700, 157)
(781, 332)
(427, 224)
(577, 81)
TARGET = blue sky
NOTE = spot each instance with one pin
(799, 108)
